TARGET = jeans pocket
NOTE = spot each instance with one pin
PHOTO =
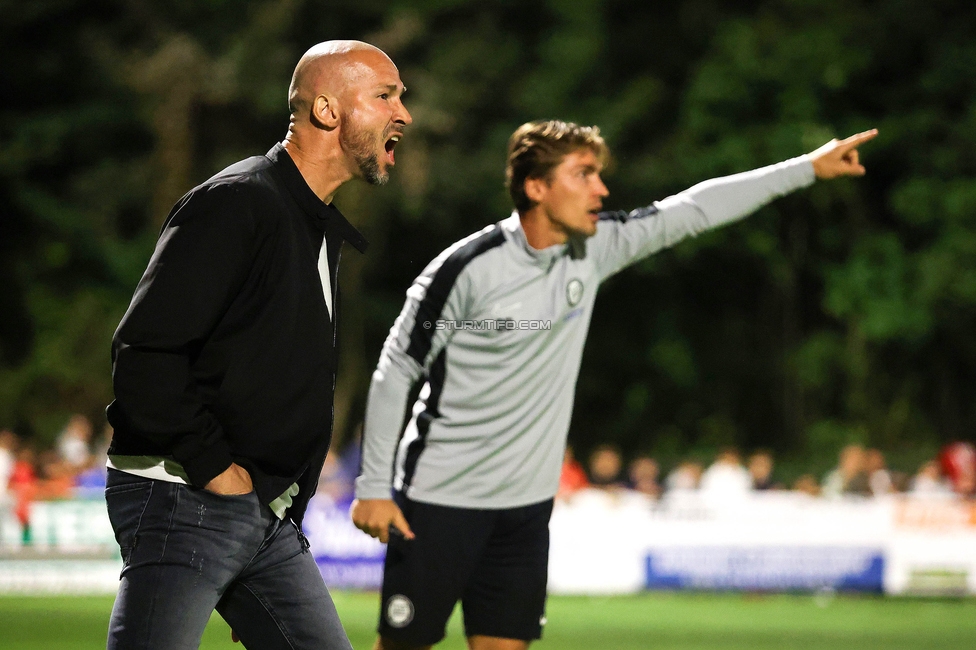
(126, 504)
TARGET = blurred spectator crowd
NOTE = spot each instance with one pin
(860, 472)
(74, 467)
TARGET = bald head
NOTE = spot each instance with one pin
(332, 68)
(347, 115)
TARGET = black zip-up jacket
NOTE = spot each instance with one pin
(227, 352)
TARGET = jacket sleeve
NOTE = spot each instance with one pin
(410, 349)
(623, 238)
(202, 257)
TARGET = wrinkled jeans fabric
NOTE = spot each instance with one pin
(188, 551)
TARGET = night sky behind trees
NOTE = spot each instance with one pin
(843, 312)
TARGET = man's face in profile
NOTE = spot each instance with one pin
(573, 194)
(374, 117)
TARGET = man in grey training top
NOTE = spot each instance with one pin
(495, 328)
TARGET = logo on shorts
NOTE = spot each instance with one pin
(399, 611)
(574, 292)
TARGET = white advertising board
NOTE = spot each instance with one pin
(605, 543)
(619, 542)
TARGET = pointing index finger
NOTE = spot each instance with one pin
(857, 139)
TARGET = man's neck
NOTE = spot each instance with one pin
(540, 231)
(320, 164)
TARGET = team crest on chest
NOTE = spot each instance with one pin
(574, 292)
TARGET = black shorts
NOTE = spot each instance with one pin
(494, 561)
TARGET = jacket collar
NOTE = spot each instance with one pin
(325, 214)
(546, 257)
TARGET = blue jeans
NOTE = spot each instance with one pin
(187, 551)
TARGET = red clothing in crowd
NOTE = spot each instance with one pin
(572, 478)
(23, 483)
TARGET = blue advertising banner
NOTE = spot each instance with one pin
(758, 568)
(347, 557)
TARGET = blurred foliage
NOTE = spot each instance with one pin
(844, 312)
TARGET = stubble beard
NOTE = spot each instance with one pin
(582, 232)
(359, 143)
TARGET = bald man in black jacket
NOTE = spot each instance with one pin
(224, 370)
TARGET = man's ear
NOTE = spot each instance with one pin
(535, 189)
(325, 112)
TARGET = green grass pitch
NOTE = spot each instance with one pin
(658, 620)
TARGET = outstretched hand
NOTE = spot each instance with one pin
(839, 157)
(375, 517)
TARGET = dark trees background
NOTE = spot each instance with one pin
(845, 312)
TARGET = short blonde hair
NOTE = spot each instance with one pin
(536, 148)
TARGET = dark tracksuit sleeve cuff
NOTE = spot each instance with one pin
(203, 463)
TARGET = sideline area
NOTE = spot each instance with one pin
(678, 621)
(605, 542)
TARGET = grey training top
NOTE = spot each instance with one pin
(496, 330)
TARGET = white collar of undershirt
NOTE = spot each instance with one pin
(325, 276)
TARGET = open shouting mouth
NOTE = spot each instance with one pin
(391, 143)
